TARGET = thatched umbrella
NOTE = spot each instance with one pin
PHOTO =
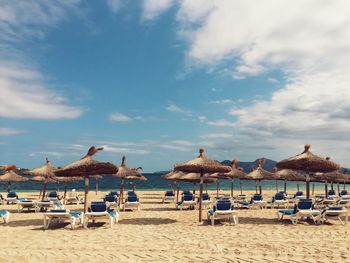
(235, 173)
(11, 177)
(66, 180)
(126, 173)
(46, 171)
(332, 177)
(259, 174)
(310, 163)
(86, 167)
(289, 175)
(202, 165)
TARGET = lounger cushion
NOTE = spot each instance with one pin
(75, 214)
(112, 213)
(287, 212)
(3, 212)
(109, 198)
(98, 207)
(132, 198)
(336, 208)
(58, 211)
(11, 195)
(244, 203)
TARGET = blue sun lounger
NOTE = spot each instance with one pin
(12, 198)
(100, 210)
(169, 195)
(61, 215)
(5, 215)
(304, 209)
(187, 200)
(223, 209)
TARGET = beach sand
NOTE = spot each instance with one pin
(159, 233)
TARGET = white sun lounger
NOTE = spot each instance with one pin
(62, 215)
(26, 204)
(5, 215)
(223, 210)
(100, 210)
(334, 213)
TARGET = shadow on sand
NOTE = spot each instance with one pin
(147, 221)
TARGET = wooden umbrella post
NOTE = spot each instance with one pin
(8, 187)
(276, 186)
(194, 188)
(177, 194)
(260, 188)
(44, 191)
(121, 193)
(240, 186)
(232, 188)
(256, 186)
(96, 186)
(338, 189)
(217, 189)
(285, 185)
(313, 188)
(308, 186)
(326, 189)
(41, 190)
(200, 197)
(65, 190)
(206, 187)
(298, 188)
(86, 193)
(332, 186)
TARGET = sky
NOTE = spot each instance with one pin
(155, 80)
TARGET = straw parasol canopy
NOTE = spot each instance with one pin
(126, 173)
(86, 167)
(308, 162)
(289, 175)
(188, 177)
(259, 174)
(11, 177)
(202, 164)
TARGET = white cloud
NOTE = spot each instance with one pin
(154, 8)
(222, 123)
(9, 131)
(115, 5)
(222, 102)
(176, 109)
(25, 95)
(217, 136)
(119, 117)
(24, 92)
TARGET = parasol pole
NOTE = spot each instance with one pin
(96, 185)
(298, 187)
(8, 187)
(276, 186)
(201, 196)
(194, 188)
(41, 189)
(177, 194)
(231, 187)
(86, 193)
(260, 188)
(313, 188)
(307, 183)
(44, 190)
(332, 185)
(285, 185)
(206, 187)
(121, 192)
(217, 189)
(338, 189)
(240, 186)
(65, 190)
(326, 188)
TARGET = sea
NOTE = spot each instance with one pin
(156, 182)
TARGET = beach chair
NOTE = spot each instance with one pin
(111, 200)
(2, 200)
(299, 195)
(256, 201)
(344, 201)
(26, 204)
(206, 201)
(187, 200)
(44, 205)
(53, 196)
(304, 209)
(100, 210)
(114, 193)
(222, 210)
(336, 212)
(61, 215)
(12, 198)
(344, 194)
(5, 215)
(72, 198)
(279, 200)
(169, 195)
(331, 193)
(132, 202)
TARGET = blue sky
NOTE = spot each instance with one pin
(157, 79)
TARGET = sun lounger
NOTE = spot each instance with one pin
(344, 201)
(334, 213)
(132, 202)
(5, 215)
(255, 201)
(331, 193)
(279, 200)
(169, 195)
(222, 210)
(299, 195)
(100, 210)
(62, 215)
(26, 204)
(206, 201)
(53, 196)
(72, 198)
(187, 200)
(111, 200)
(344, 194)
(44, 205)
(114, 193)
(2, 200)
(304, 209)
(12, 198)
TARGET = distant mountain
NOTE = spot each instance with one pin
(247, 166)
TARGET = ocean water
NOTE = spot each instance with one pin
(155, 182)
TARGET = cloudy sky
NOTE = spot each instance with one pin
(157, 79)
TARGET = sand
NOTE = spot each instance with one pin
(159, 233)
